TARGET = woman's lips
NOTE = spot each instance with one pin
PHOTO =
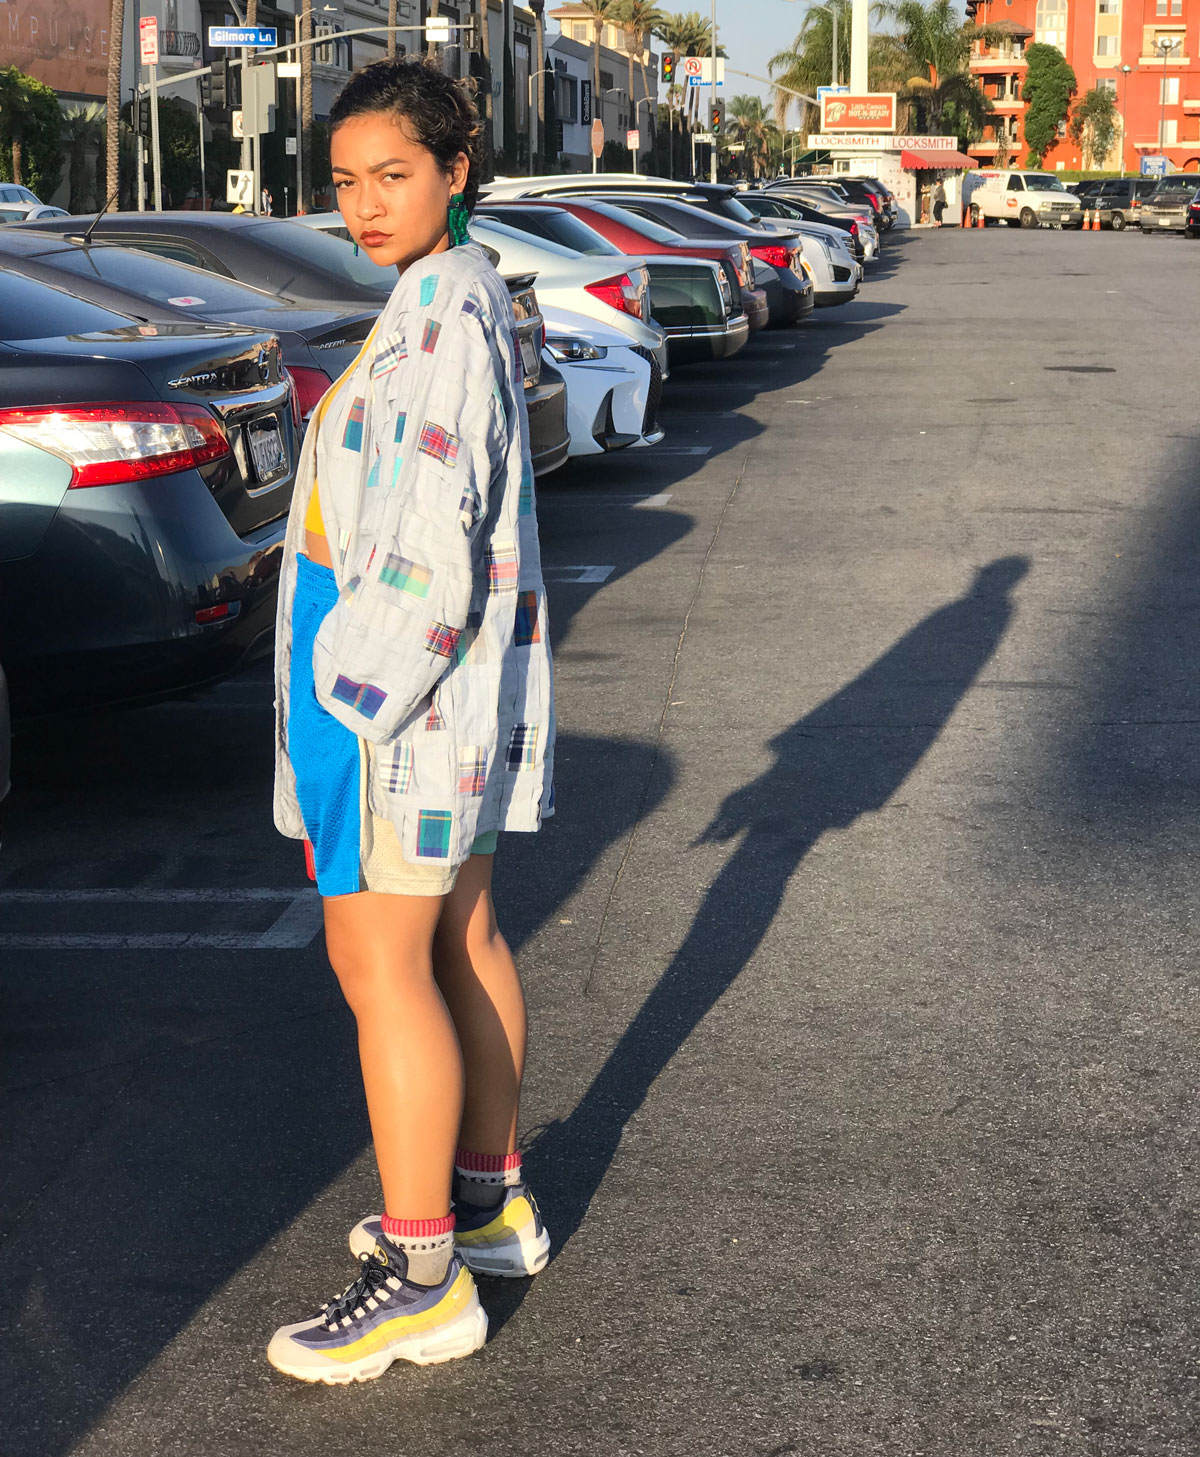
(373, 240)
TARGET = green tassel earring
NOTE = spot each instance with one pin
(457, 221)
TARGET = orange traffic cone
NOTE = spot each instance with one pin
(1087, 222)
(1095, 220)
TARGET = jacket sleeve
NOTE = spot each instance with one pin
(440, 430)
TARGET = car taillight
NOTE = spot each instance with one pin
(618, 292)
(854, 230)
(105, 444)
(311, 384)
(773, 253)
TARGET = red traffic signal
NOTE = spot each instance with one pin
(668, 68)
(716, 114)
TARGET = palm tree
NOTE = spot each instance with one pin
(393, 20)
(83, 127)
(640, 17)
(116, 30)
(749, 122)
(14, 115)
(305, 121)
(600, 11)
(935, 40)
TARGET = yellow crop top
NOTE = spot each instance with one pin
(313, 520)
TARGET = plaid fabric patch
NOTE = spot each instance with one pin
(471, 306)
(405, 575)
(430, 337)
(467, 644)
(373, 474)
(526, 630)
(352, 437)
(525, 499)
(438, 442)
(400, 770)
(386, 359)
(364, 698)
(472, 770)
(522, 746)
(428, 289)
(441, 639)
(401, 421)
(502, 566)
(433, 834)
(434, 721)
(470, 508)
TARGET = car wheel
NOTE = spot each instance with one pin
(1147, 232)
(1028, 218)
(1118, 222)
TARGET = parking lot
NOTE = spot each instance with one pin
(859, 953)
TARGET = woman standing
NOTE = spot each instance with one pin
(415, 719)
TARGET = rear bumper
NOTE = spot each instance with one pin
(718, 341)
(549, 437)
(107, 604)
(756, 308)
(795, 299)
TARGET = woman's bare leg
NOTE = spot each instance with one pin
(380, 947)
(474, 969)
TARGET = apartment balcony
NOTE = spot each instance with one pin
(1007, 104)
(1002, 61)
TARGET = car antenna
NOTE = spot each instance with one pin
(92, 227)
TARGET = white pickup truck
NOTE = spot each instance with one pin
(1022, 199)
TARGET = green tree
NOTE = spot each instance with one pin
(749, 124)
(30, 130)
(112, 154)
(943, 97)
(1093, 126)
(83, 129)
(1049, 85)
(808, 63)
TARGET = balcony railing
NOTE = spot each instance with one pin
(179, 42)
(1005, 55)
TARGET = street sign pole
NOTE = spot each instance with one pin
(245, 162)
(712, 164)
(154, 143)
(200, 119)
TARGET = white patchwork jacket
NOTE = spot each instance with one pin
(437, 652)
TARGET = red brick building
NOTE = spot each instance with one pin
(1147, 52)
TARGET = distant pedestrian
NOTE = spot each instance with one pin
(938, 198)
(268, 202)
(415, 720)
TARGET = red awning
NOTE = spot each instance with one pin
(935, 161)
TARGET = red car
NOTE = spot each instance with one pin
(629, 233)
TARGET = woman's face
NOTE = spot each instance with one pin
(393, 194)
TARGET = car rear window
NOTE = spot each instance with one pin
(655, 232)
(160, 279)
(559, 227)
(30, 309)
(1173, 196)
(325, 252)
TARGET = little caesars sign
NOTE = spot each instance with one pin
(843, 113)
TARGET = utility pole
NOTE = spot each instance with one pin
(200, 119)
(158, 207)
(859, 41)
(712, 146)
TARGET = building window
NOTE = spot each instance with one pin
(1168, 133)
(1168, 91)
(582, 30)
(1108, 7)
(1106, 45)
(1176, 7)
(1161, 7)
(567, 97)
(1107, 83)
(521, 78)
(1051, 23)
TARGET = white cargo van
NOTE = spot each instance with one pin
(1022, 199)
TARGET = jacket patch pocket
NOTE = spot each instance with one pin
(398, 776)
(405, 575)
(472, 771)
(433, 834)
(502, 567)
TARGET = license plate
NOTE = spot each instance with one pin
(266, 447)
(1164, 222)
(531, 361)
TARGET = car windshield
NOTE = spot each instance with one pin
(655, 232)
(30, 309)
(1173, 196)
(1043, 182)
(161, 279)
(323, 251)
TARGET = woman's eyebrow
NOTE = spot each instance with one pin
(378, 167)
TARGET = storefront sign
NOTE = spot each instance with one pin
(848, 141)
(66, 46)
(874, 113)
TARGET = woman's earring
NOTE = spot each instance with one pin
(356, 250)
(457, 221)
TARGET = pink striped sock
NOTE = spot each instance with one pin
(481, 1178)
(414, 1229)
(427, 1246)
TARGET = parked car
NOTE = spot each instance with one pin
(1165, 210)
(1119, 199)
(789, 289)
(613, 388)
(796, 209)
(833, 203)
(146, 471)
(891, 209)
(15, 198)
(12, 214)
(1022, 199)
(857, 190)
(545, 391)
(1193, 217)
(595, 227)
(5, 741)
(295, 263)
(317, 343)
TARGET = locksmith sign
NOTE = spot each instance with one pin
(842, 112)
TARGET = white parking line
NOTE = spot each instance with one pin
(605, 498)
(292, 930)
(682, 449)
(578, 574)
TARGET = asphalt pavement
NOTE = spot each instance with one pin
(862, 1090)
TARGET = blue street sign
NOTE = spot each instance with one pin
(823, 91)
(243, 35)
(1154, 166)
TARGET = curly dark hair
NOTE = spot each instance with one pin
(439, 112)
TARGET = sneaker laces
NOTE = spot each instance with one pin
(351, 1303)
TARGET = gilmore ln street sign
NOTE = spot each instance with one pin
(243, 35)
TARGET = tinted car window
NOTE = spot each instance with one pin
(1015, 184)
(33, 310)
(558, 227)
(161, 279)
(170, 248)
(1172, 196)
(656, 232)
(320, 250)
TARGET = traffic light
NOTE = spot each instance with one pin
(220, 84)
(716, 112)
(470, 36)
(143, 115)
(668, 68)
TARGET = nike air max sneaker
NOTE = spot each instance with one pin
(380, 1318)
(508, 1239)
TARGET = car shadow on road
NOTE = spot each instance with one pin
(843, 760)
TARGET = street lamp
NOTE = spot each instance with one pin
(1164, 47)
(1125, 70)
(642, 101)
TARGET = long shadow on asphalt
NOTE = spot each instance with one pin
(844, 759)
